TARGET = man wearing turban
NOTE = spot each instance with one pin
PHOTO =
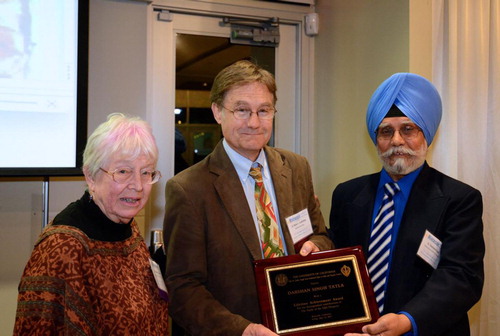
(425, 253)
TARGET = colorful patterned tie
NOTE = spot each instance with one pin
(380, 244)
(271, 242)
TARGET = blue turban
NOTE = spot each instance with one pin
(414, 95)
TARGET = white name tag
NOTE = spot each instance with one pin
(430, 249)
(299, 225)
(159, 279)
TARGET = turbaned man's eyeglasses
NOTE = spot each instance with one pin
(407, 132)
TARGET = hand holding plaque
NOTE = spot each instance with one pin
(325, 293)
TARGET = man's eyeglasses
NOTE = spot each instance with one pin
(244, 113)
(125, 175)
(407, 132)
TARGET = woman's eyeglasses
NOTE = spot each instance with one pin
(125, 175)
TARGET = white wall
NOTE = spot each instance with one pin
(117, 83)
(360, 44)
(117, 60)
(20, 222)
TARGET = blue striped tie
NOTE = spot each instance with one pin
(380, 244)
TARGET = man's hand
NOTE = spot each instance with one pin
(387, 325)
(254, 329)
(308, 247)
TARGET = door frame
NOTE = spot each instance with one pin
(294, 125)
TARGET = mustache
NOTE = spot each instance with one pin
(397, 151)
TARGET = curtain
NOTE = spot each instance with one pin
(466, 71)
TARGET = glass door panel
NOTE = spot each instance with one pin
(198, 60)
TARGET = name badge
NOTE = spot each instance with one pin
(430, 249)
(299, 225)
(159, 279)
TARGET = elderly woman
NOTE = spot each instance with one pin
(90, 272)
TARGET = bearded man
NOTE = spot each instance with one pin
(421, 231)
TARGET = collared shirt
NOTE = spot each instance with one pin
(242, 166)
(400, 199)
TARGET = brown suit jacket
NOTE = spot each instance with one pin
(211, 239)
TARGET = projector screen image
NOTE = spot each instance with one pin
(42, 85)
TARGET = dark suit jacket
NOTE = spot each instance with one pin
(437, 299)
(212, 240)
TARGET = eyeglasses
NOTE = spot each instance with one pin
(124, 175)
(244, 113)
(407, 132)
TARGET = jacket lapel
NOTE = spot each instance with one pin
(426, 195)
(229, 188)
(362, 212)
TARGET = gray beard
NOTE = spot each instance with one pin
(402, 166)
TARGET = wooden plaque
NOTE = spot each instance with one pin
(324, 293)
